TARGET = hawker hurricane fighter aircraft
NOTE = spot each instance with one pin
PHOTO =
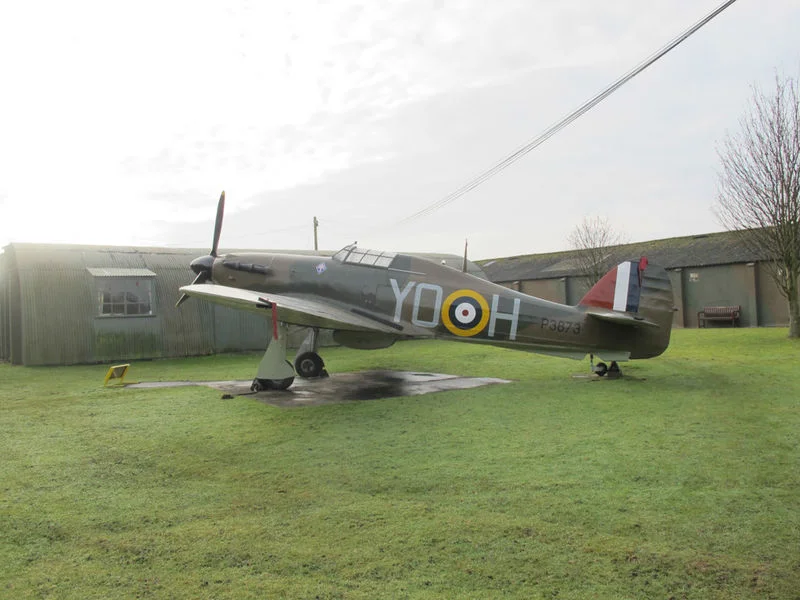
(371, 299)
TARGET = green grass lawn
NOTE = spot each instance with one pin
(681, 480)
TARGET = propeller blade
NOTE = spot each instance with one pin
(201, 278)
(218, 224)
(203, 265)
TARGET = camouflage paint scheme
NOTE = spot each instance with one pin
(371, 306)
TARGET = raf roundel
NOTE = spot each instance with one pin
(465, 313)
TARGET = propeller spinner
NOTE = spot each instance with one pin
(202, 265)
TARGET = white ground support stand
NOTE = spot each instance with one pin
(274, 371)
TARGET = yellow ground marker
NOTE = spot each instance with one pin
(116, 372)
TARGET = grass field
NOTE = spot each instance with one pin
(682, 480)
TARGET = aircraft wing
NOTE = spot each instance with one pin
(620, 318)
(309, 312)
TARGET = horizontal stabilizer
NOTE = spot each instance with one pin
(620, 318)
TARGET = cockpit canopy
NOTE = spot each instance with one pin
(358, 256)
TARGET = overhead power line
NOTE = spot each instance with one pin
(552, 130)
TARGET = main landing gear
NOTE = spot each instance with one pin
(277, 373)
(308, 363)
(601, 369)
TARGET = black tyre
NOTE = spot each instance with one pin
(260, 385)
(309, 364)
(601, 369)
(281, 384)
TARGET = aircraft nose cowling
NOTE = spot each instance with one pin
(202, 264)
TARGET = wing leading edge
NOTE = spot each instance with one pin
(308, 312)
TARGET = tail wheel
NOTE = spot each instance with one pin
(309, 364)
(600, 369)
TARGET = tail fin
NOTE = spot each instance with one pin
(635, 294)
(619, 289)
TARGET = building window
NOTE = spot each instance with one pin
(118, 302)
(124, 292)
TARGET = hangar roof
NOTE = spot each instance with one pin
(118, 272)
(55, 256)
(671, 253)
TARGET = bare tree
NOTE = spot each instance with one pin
(759, 186)
(595, 242)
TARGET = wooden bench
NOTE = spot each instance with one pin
(719, 313)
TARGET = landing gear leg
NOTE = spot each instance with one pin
(598, 369)
(307, 362)
(274, 371)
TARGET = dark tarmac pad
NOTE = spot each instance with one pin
(343, 387)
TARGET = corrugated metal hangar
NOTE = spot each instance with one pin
(706, 270)
(63, 304)
(85, 304)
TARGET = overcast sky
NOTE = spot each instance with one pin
(120, 123)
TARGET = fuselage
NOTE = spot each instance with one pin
(419, 298)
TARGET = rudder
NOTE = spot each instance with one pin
(640, 289)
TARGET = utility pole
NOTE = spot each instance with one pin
(316, 224)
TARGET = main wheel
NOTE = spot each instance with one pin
(601, 369)
(309, 364)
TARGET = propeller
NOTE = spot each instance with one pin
(203, 265)
(218, 224)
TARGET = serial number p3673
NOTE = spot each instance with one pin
(561, 326)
